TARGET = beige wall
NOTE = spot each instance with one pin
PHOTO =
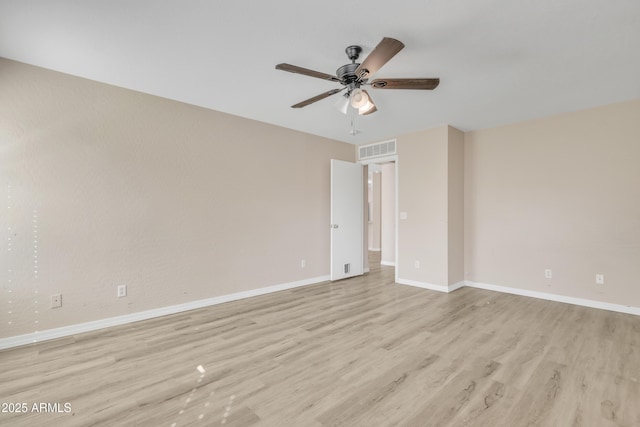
(456, 206)
(388, 213)
(102, 186)
(376, 223)
(422, 192)
(366, 232)
(431, 191)
(560, 193)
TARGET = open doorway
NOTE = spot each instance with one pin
(381, 215)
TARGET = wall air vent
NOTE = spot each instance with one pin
(378, 149)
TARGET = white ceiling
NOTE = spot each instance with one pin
(499, 61)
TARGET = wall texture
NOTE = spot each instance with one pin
(388, 213)
(560, 193)
(455, 214)
(376, 212)
(102, 186)
(430, 192)
(422, 180)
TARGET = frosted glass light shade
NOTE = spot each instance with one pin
(359, 98)
(366, 107)
(342, 104)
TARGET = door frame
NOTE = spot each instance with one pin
(387, 159)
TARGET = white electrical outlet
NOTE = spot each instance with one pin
(303, 263)
(548, 274)
(122, 291)
(600, 279)
(56, 301)
(416, 264)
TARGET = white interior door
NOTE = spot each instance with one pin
(347, 223)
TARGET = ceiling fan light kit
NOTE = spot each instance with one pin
(355, 75)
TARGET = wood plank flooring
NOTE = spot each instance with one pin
(359, 352)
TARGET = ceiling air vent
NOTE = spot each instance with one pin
(378, 149)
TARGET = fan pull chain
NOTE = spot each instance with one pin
(353, 130)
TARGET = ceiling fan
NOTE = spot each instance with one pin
(354, 75)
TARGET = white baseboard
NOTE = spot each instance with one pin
(366, 270)
(375, 249)
(163, 311)
(558, 298)
(430, 286)
(149, 314)
(526, 293)
(457, 286)
(388, 263)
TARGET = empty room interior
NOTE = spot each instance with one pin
(202, 223)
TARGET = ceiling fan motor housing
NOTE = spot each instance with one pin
(347, 73)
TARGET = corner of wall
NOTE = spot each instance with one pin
(455, 205)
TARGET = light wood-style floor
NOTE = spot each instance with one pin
(359, 352)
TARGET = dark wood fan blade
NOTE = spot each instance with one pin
(382, 53)
(304, 71)
(316, 98)
(372, 109)
(425, 84)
